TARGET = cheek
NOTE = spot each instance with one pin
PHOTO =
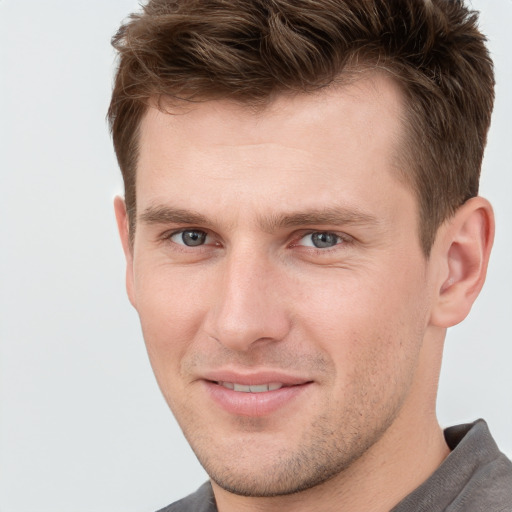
(171, 311)
(367, 320)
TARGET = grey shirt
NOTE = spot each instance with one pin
(475, 477)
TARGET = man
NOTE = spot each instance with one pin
(301, 225)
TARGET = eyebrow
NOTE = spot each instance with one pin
(169, 215)
(335, 216)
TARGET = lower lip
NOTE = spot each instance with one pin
(254, 404)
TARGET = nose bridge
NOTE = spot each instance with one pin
(248, 306)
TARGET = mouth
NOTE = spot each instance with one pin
(244, 388)
(256, 395)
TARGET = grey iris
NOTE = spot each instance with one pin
(324, 240)
(193, 238)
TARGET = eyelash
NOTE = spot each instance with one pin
(343, 240)
(167, 237)
(341, 249)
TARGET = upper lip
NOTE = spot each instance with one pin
(254, 378)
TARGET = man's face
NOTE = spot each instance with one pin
(280, 283)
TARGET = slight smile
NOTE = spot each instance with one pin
(257, 388)
(255, 395)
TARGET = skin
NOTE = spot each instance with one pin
(361, 322)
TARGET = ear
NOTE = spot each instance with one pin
(462, 249)
(123, 227)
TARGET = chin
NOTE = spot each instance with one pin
(278, 483)
(252, 474)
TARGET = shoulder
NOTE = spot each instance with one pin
(476, 476)
(200, 501)
(488, 484)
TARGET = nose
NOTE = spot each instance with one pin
(249, 306)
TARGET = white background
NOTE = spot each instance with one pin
(82, 424)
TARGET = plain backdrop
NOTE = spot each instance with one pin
(83, 427)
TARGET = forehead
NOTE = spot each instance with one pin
(360, 100)
(343, 132)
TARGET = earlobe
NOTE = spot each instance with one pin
(124, 234)
(462, 251)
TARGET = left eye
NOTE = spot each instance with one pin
(320, 240)
(189, 237)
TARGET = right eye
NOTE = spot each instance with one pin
(190, 237)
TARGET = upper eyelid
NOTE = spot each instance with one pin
(295, 237)
(345, 241)
(170, 232)
(340, 234)
(167, 237)
(296, 234)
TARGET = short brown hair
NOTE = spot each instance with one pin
(251, 50)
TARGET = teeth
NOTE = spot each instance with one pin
(242, 388)
(261, 388)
